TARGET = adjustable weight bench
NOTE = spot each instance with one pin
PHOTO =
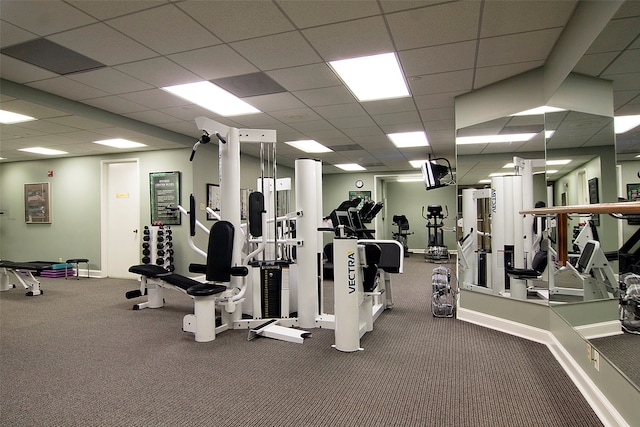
(217, 270)
(23, 271)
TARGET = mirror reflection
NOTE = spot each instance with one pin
(581, 171)
(500, 171)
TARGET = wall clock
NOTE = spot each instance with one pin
(359, 183)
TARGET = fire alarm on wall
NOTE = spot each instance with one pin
(50, 174)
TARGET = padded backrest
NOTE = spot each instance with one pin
(539, 261)
(219, 254)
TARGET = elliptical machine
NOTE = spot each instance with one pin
(403, 232)
(436, 251)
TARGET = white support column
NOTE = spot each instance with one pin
(470, 227)
(307, 231)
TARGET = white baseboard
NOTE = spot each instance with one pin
(600, 330)
(596, 399)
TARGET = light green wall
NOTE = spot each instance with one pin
(76, 210)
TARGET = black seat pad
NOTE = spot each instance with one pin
(177, 280)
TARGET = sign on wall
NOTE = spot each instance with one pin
(165, 192)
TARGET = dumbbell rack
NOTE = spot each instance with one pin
(157, 246)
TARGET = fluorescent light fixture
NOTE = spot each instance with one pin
(372, 77)
(484, 181)
(551, 171)
(501, 174)
(350, 167)
(509, 166)
(309, 146)
(549, 133)
(409, 139)
(410, 179)
(490, 139)
(120, 143)
(417, 163)
(558, 162)
(539, 110)
(8, 117)
(624, 124)
(42, 150)
(213, 98)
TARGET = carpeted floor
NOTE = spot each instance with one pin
(79, 356)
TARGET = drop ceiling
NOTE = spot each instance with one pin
(129, 49)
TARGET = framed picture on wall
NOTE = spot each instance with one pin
(365, 196)
(37, 203)
(213, 200)
(633, 192)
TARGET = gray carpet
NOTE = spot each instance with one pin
(624, 352)
(79, 356)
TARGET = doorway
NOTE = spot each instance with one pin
(120, 245)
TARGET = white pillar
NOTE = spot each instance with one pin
(307, 231)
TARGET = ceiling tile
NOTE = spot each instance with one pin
(277, 51)
(104, 44)
(325, 96)
(353, 109)
(158, 72)
(438, 59)
(68, 88)
(346, 123)
(388, 106)
(165, 29)
(151, 116)
(435, 25)
(22, 72)
(214, 62)
(443, 83)
(11, 34)
(504, 17)
(45, 16)
(115, 104)
(274, 102)
(487, 75)
(305, 77)
(397, 118)
(110, 9)
(351, 39)
(110, 80)
(238, 19)
(594, 64)
(155, 99)
(523, 47)
(311, 14)
(616, 35)
(627, 62)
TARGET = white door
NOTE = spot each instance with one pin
(122, 229)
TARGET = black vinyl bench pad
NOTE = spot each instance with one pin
(192, 287)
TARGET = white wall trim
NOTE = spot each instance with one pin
(596, 399)
(600, 330)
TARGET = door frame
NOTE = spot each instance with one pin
(104, 187)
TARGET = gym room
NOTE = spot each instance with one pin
(311, 213)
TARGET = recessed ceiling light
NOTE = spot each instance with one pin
(309, 146)
(8, 117)
(624, 124)
(350, 167)
(551, 171)
(42, 150)
(549, 133)
(417, 163)
(490, 139)
(558, 162)
(484, 181)
(213, 98)
(501, 174)
(120, 143)
(411, 179)
(372, 77)
(409, 139)
(538, 110)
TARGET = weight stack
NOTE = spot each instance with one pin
(271, 290)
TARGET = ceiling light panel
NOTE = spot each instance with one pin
(409, 139)
(8, 117)
(42, 150)
(372, 77)
(213, 98)
(624, 124)
(309, 146)
(119, 143)
(350, 167)
(490, 139)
